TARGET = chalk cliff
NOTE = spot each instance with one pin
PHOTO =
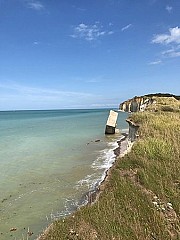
(139, 103)
(136, 104)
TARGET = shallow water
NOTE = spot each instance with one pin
(48, 160)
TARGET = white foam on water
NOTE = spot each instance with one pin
(100, 166)
(88, 181)
(106, 158)
(91, 182)
(70, 206)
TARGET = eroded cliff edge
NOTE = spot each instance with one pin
(140, 103)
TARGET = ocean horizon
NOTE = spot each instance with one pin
(49, 160)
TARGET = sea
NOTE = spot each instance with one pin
(49, 161)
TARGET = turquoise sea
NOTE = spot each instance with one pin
(48, 161)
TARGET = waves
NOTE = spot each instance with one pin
(91, 182)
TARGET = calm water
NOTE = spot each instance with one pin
(48, 160)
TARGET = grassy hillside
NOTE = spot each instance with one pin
(141, 197)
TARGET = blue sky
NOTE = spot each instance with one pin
(87, 53)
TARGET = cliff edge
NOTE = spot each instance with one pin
(140, 103)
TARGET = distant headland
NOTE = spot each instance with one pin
(139, 103)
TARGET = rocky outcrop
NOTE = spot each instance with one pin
(133, 128)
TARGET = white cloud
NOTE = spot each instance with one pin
(172, 37)
(36, 5)
(155, 62)
(110, 32)
(17, 96)
(169, 9)
(14, 95)
(90, 32)
(26, 90)
(78, 8)
(36, 43)
(126, 27)
(171, 53)
(175, 54)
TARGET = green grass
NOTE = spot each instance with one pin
(149, 173)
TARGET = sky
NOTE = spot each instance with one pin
(57, 54)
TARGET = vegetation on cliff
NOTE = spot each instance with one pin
(141, 195)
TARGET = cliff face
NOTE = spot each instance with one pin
(136, 104)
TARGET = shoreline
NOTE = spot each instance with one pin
(119, 151)
(124, 146)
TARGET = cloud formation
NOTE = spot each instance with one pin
(171, 53)
(17, 96)
(172, 37)
(26, 90)
(171, 41)
(90, 32)
(155, 62)
(126, 27)
(36, 5)
(169, 9)
(36, 43)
